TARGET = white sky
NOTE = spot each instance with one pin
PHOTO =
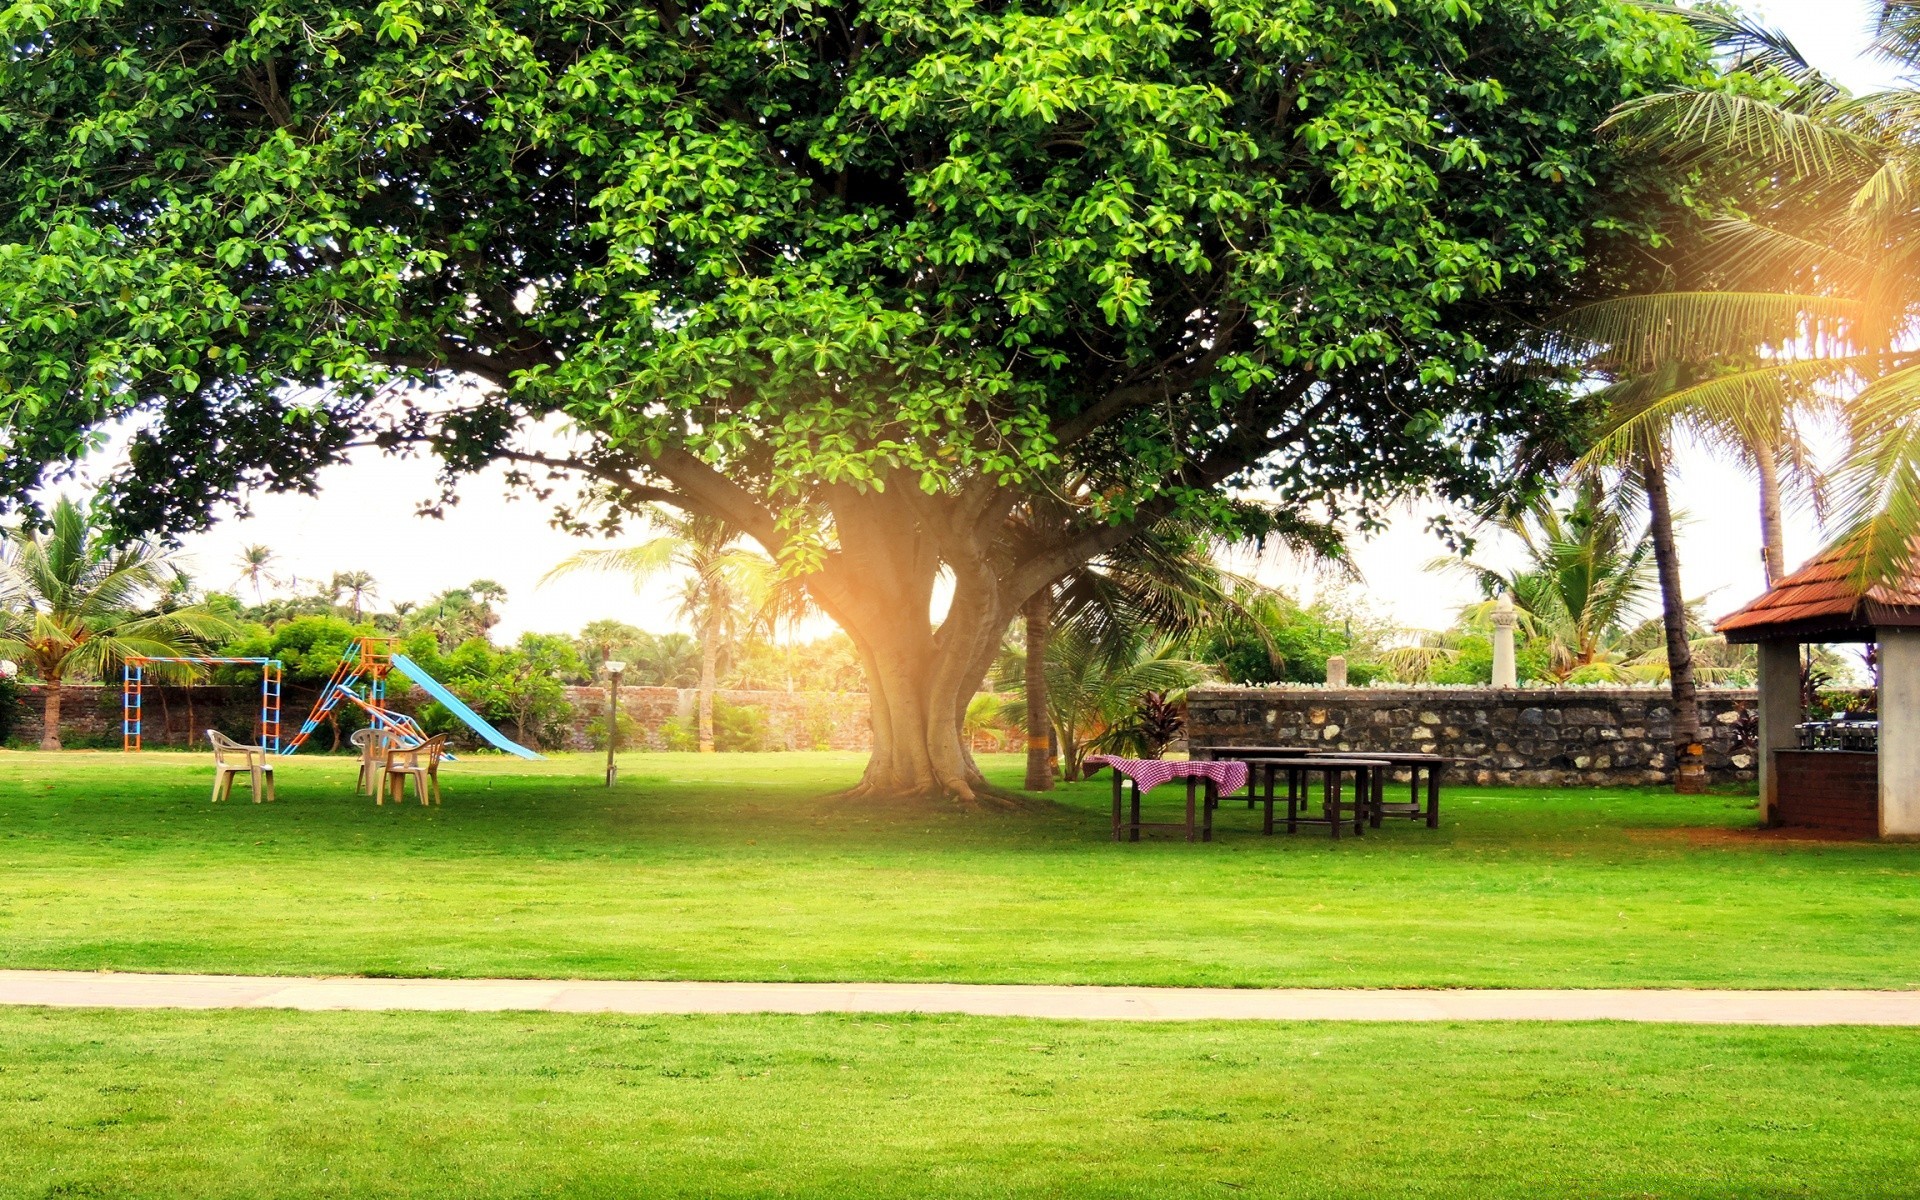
(363, 517)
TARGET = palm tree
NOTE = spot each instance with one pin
(1095, 690)
(357, 586)
(728, 588)
(254, 562)
(72, 602)
(1166, 580)
(1816, 287)
(1587, 573)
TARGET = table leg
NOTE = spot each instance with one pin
(1266, 792)
(1212, 796)
(1294, 799)
(1362, 777)
(1377, 797)
(1117, 787)
(1433, 796)
(1191, 782)
(1133, 832)
(1330, 782)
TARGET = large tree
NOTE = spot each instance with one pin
(859, 279)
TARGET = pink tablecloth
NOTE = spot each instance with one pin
(1149, 773)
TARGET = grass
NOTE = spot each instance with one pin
(246, 1104)
(732, 868)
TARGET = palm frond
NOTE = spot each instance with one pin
(1878, 482)
(639, 563)
(1731, 402)
(1755, 48)
(1642, 332)
(1689, 126)
(1750, 253)
(1896, 33)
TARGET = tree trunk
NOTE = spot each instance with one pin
(1039, 614)
(1773, 550)
(879, 590)
(1690, 772)
(50, 715)
(709, 669)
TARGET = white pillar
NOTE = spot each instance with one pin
(1505, 675)
(1900, 733)
(1337, 671)
(1779, 683)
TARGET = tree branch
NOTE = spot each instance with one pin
(1124, 399)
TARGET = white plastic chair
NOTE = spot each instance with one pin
(230, 758)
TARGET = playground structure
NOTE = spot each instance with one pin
(133, 689)
(373, 659)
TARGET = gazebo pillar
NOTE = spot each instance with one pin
(1899, 732)
(1779, 701)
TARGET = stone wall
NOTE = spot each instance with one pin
(1537, 736)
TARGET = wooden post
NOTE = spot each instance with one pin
(1900, 733)
(1779, 684)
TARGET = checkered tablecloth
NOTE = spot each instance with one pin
(1228, 776)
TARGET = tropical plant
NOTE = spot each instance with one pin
(1166, 580)
(1586, 574)
(1095, 688)
(1267, 636)
(987, 717)
(1812, 291)
(74, 603)
(254, 562)
(859, 279)
(357, 586)
(728, 588)
(459, 615)
(1156, 723)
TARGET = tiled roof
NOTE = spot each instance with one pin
(1825, 596)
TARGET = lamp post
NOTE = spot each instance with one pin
(614, 668)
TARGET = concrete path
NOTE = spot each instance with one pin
(78, 989)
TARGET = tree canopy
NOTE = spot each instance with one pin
(860, 279)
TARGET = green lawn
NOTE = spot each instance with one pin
(732, 868)
(248, 1104)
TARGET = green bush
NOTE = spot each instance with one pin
(736, 728)
(630, 736)
(12, 706)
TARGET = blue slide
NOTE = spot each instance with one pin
(458, 708)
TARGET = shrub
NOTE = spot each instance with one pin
(631, 737)
(11, 692)
(737, 728)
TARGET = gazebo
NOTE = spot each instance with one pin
(1866, 781)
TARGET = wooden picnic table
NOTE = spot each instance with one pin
(1415, 763)
(1298, 770)
(1207, 777)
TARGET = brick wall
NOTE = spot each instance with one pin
(794, 720)
(90, 715)
(172, 716)
(1537, 736)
